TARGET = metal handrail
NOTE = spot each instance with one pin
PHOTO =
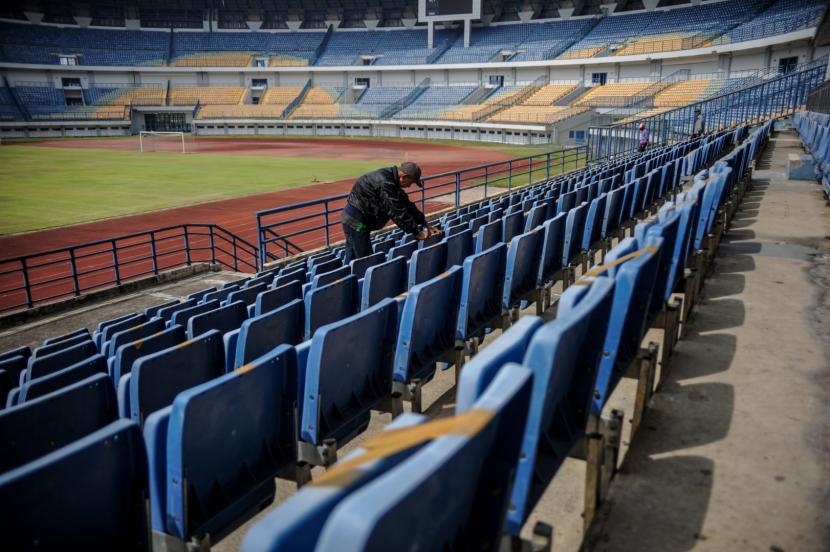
(29, 280)
(291, 229)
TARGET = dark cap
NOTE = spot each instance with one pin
(413, 170)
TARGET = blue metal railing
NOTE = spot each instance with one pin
(779, 96)
(30, 280)
(299, 227)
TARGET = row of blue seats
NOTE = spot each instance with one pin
(318, 379)
(814, 130)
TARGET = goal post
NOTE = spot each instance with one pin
(151, 140)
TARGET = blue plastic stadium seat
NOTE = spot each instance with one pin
(512, 226)
(489, 235)
(141, 331)
(427, 263)
(343, 380)
(125, 355)
(247, 294)
(406, 250)
(327, 278)
(151, 312)
(481, 292)
(275, 298)
(224, 319)
(49, 364)
(218, 296)
(264, 333)
(521, 268)
(182, 317)
(634, 281)
(47, 423)
(215, 451)
(459, 247)
(592, 233)
(535, 217)
(40, 500)
(384, 280)
(361, 265)
(167, 312)
(550, 258)
(298, 274)
(51, 340)
(475, 469)
(564, 356)
(574, 229)
(38, 387)
(156, 379)
(44, 350)
(296, 523)
(323, 267)
(108, 331)
(330, 303)
(427, 329)
(613, 211)
(383, 246)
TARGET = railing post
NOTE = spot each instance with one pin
(235, 256)
(74, 272)
(510, 175)
(326, 218)
(486, 178)
(115, 263)
(26, 288)
(423, 198)
(260, 239)
(458, 189)
(212, 245)
(186, 246)
(153, 253)
(530, 171)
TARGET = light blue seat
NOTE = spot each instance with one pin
(459, 247)
(427, 263)
(343, 380)
(384, 280)
(298, 274)
(182, 317)
(564, 356)
(475, 469)
(361, 265)
(219, 295)
(55, 362)
(405, 250)
(52, 348)
(481, 293)
(52, 340)
(427, 333)
(199, 295)
(489, 235)
(142, 331)
(40, 499)
(156, 379)
(574, 230)
(126, 354)
(256, 336)
(593, 223)
(167, 312)
(330, 303)
(224, 319)
(521, 269)
(214, 453)
(275, 298)
(536, 217)
(550, 259)
(54, 420)
(247, 294)
(512, 226)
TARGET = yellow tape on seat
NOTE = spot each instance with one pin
(597, 270)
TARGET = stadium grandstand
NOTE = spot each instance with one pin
(607, 332)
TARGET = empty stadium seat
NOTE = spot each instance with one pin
(275, 298)
(49, 364)
(384, 280)
(481, 294)
(263, 333)
(330, 303)
(224, 319)
(130, 335)
(427, 263)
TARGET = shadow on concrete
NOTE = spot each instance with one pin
(732, 263)
(728, 284)
(728, 313)
(739, 235)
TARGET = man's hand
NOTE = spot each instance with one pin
(422, 235)
(434, 231)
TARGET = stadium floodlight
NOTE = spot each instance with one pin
(150, 140)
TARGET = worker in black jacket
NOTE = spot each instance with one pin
(377, 197)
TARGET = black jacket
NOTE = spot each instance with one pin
(378, 196)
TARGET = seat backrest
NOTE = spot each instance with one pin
(247, 294)
(329, 303)
(49, 422)
(475, 469)
(296, 524)
(277, 297)
(13, 367)
(349, 369)
(327, 278)
(481, 291)
(383, 246)
(323, 267)
(128, 323)
(252, 408)
(427, 327)
(521, 267)
(535, 217)
(264, 333)
(550, 260)
(489, 235)
(459, 247)
(126, 354)
(427, 263)
(40, 498)
(574, 228)
(199, 295)
(44, 350)
(478, 222)
(298, 274)
(361, 265)
(634, 281)
(613, 210)
(479, 372)
(183, 316)
(387, 279)
(51, 340)
(405, 250)
(223, 319)
(593, 223)
(38, 387)
(167, 312)
(566, 202)
(143, 331)
(49, 364)
(512, 226)
(564, 356)
(156, 379)
(106, 323)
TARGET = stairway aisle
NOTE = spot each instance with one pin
(736, 451)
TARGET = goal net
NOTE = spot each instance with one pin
(150, 141)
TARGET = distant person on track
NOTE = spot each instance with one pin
(377, 197)
(644, 137)
(700, 124)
